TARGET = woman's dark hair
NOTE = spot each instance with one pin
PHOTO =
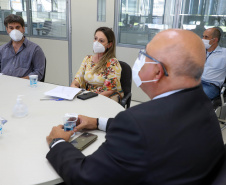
(110, 52)
(13, 18)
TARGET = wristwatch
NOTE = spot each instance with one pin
(54, 141)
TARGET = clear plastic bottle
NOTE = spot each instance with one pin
(20, 109)
(0, 129)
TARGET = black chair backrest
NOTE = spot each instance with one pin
(126, 77)
(126, 83)
(43, 78)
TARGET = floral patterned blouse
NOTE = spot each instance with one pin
(106, 80)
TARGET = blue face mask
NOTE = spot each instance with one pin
(136, 69)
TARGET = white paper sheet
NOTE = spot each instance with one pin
(67, 93)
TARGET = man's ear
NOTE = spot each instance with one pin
(23, 30)
(7, 30)
(159, 72)
(217, 40)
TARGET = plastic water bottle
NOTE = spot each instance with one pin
(0, 129)
(20, 109)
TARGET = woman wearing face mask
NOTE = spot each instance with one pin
(101, 72)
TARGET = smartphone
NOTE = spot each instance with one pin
(86, 96)
(84, 140)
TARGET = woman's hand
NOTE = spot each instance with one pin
(75, 84)
(107, 93)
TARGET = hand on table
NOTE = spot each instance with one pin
(58, 132)
(85, 122)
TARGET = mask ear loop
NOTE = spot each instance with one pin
(107, 47)
(155, 80)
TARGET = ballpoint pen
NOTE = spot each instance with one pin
(56, 99)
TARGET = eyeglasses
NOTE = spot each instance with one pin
(143, 52)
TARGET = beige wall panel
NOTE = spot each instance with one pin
(56, 52)
(4, 39)
(129, 55)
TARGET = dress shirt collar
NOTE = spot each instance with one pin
(218, 49)
(166, 94)
(24, 43)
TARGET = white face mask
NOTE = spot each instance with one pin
(98, 47)
(16, 35)
(136, 68)
(206, 43)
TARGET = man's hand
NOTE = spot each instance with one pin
(85, 122)
(25, 77)
(58, 132)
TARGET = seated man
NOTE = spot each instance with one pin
(20, 57)
(173, 139)
(215, 67)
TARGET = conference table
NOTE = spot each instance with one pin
(23, 145)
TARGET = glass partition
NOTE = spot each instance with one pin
(137, 21)
(140, 20)
(198, 15)
(46, 18)
(49, 18)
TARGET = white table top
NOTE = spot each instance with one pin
(23, 145)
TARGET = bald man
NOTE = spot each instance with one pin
(215, 67)
(173, 139)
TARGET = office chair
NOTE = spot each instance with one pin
(43, 78)
(221, 175)
(126, 83)
(47, 26)
(219, 105)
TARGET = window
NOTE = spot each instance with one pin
(101, 10)
(200, 15)
(47, 18)
(138, 21)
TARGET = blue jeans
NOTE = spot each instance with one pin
(211, 90)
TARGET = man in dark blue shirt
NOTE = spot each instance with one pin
(20, 57)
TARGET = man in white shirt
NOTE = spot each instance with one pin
(174, 138)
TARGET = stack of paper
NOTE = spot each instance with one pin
(67, 93)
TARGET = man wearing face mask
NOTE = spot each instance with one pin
(174, 138)
(20, 57)
(215, 67)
